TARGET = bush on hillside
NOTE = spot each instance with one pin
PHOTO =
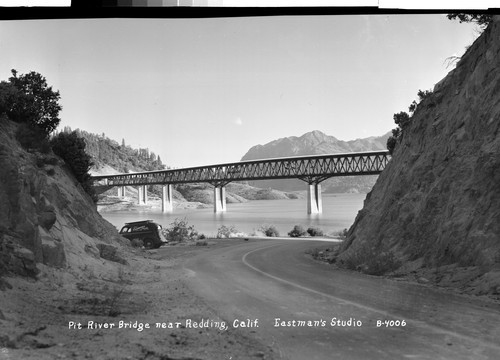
(403, 120)
(8, 97)
(483, 20)
(32, 138)
(71, 148)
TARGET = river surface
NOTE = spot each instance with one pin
(339, 212)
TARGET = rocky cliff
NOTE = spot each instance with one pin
(46, 219)
(435, 210)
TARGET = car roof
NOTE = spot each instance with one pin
(143, 222)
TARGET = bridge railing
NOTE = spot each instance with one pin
(312, 169)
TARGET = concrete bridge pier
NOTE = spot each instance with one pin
(219, 199)
(167, 201)
(121, 191)
(143, 194)
(314, 202)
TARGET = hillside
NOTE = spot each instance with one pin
(108, 155)
(35, 192)
(434, 212)
(316, 143)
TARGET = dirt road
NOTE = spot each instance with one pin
(303, 309)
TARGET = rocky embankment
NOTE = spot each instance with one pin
(434, 212)
(46, 219)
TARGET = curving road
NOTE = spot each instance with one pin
(269, 286)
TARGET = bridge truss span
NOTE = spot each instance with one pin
(312, 169)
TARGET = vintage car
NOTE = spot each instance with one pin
(146, 231)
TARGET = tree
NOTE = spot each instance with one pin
(35, 102)
(402, 119)
(391, 144)
(483, 20)
(71, 148)
(9, 95)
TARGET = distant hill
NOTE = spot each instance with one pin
(314, 143)
(317, 143)
(110, 157)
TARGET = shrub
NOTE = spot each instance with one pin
(269, 230)
(32, 138)
(403, 119)
(391, 143)
(180, 231)
(297, 231)
(71, 148)
(382, 263)
(313, 231)
(137, 243)
(9, 95)
(316, 253)
(482, 20)
(371, 262)
(226, 231)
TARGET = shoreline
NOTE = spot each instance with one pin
(339, 211)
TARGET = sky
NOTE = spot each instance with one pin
(204, 91)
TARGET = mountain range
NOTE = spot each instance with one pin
(317, 143)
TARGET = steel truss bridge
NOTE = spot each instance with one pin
(312, 169)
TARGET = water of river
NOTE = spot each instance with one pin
(339, 212)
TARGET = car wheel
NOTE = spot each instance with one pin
(148, 243)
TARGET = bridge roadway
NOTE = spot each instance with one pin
(312, 169)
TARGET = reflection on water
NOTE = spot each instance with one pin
(339, 212)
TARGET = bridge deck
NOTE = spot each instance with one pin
(312, 169)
